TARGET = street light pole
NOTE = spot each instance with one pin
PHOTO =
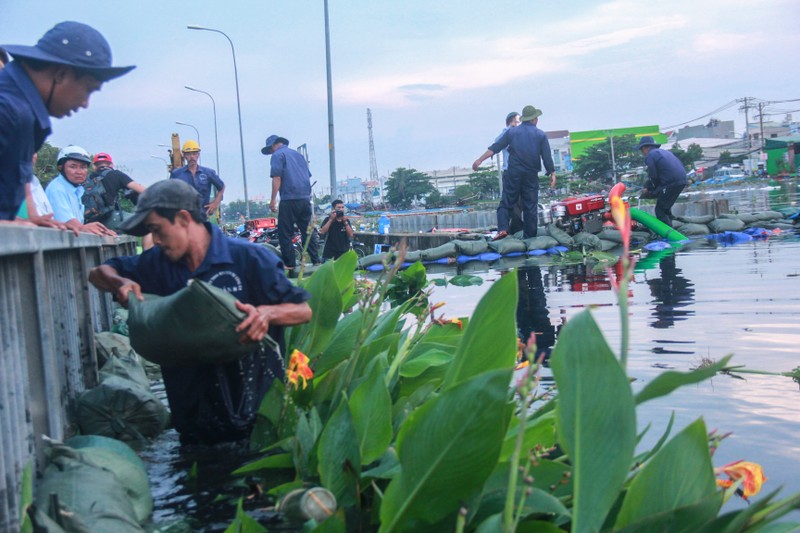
(331, 147)
(238, 109)
(166, 163)
(193, 127)
(216, 138)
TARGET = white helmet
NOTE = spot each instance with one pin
(73, 152)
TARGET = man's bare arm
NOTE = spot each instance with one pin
(106, 278)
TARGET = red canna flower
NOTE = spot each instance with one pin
(751, 473)
(622, 218)
(298, 369)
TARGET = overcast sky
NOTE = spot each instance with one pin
(439, 76)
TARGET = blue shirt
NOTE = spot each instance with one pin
(505, 150)
(65, 199)
(291, 167)
(24, 125)
(202, 181)
(664, 169)
(216, 403)
(527, 148)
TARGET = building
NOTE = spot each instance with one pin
(446, 181)
(560, 147)
(783, 154)
(715, 129)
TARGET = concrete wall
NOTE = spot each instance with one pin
(48, 316)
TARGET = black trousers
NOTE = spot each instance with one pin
(664, 202)
(293, 213)
(519, 187)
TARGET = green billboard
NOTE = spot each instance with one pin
(580, 141)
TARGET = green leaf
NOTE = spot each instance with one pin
(281, 460)
(465, 280)
(243, 523)
(679, 475)
(596, 419)
(336, 523)
(681, 519)
(420, 364)
(666, 382)
(341, 344)
(344, 267)
(309, 426)
(26, 498)
(447, 449)
(371, 409)
(538, 526)
(326, 305)
(490, 339)
(386, 324)
(540, 430)
(439, 282)
(339, 460)
(388, 467)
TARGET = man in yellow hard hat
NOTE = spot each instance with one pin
(201, 178)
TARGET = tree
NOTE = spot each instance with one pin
(406, 185)
(688, 156)
(595, 164)
(726, 159)
(485, 184)
(45, 168)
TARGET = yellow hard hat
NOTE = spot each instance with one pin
(190, 146)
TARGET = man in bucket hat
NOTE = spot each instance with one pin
(210, 403)
(55, 78)
(666, 177)
(528, 148)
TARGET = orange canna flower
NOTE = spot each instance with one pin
(751, 473)
(298, 369)
(622, 218)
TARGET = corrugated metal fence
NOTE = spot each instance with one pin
(48, 316)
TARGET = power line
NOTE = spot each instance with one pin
(719, 109)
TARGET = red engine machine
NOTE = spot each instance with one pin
(573, 215)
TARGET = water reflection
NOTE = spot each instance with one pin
(672, 295)
(533, 316)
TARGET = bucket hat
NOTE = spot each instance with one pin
(529, 113)
(167, 194)
(647, 140)
(76, 45)
(272, 139)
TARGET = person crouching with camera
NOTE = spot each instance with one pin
(338, 230)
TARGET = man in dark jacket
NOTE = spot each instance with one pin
(666, 177)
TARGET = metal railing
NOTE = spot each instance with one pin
(48, 317)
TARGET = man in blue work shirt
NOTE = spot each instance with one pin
(666, 177)
(201, 178)
(528, 147)
(291, 177)
(210, 403)
(53, 78)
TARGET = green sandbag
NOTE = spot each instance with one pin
(107, 343)
(120, 459)
(413, 256)
(589, 241)
(121, 409)
(677, 223)
(508, 245)
(788, 211)
(701, 219)
(720, 225)
(747, 218)
(92, 497)
(543, 242)
(769, 215)
(79, 442)
(695, 229)
(194, 326)
(605, 245)
(119, 321)
(372, 259)
(778, 225)
(560, 235)
(640, 237)
(128, 367)
(611, 234)
(476, 247)
(447, 249)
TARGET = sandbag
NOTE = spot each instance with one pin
(640, 237)
(107, 344)
(676, 224)
(119, 458)
(92, 497)
(560, 235)
(121, 409)
(542, 242)
(119, 321)
(779, 225)
(747, 218)
(471, 247)
(447, 249)
(605, 245)
(508, 245)
(701, 219)
(194, 326)
(769, 215)
(721, 225)
(610, 234)
(588, 241)
(413, 256)
(694, 229)
(128, 367)
(372, 259)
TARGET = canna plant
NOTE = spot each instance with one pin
(415, 422)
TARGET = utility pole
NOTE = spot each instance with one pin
(746, 108)
(613, 159)
(331, 148)
(761, 123)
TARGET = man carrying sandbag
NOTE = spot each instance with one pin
(210, 403)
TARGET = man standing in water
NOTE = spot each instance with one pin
(666, 177)
(210, 403)
(528, 147)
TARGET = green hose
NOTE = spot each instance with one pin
(656, 226)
